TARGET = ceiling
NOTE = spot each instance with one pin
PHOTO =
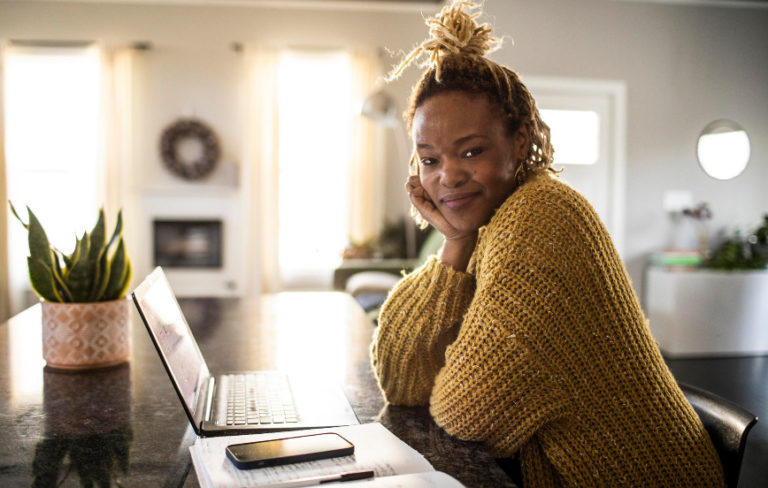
(709, 3)
(369, 5)
(397, 4)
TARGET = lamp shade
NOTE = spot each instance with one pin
(381, 108)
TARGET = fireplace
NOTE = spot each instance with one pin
(199, 241)
(187, 243)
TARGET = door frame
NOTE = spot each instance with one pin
(615, 92)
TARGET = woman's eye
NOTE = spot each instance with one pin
(475, 151)
(428, 161)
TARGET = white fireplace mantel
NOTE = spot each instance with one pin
(229, 279)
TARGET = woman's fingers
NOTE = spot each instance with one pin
(413, 183)
(419, 197)
(426, 207)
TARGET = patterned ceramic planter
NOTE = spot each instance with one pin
(86, 335)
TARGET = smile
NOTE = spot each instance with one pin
(456, 201)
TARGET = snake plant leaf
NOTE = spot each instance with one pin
(101, 279)
(85, 244)
(88, 274)
(39, 247)
(104, 268)
(120, 273)
(98, 274)
(118, 229)
(98, 238)
(42, 281)
(16, 214)
(69, 260)
(126, 278)
(60, 273)
(57, 258)
(80, 276)
(60, 280)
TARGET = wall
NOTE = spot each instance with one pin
(201, 37)
(191, 69)
(683, 66)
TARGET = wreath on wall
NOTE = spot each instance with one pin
(189, 148)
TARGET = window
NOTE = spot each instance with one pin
(575, 135)
(52, 124)
(314, 126)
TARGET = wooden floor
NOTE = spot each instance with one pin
(745, 382)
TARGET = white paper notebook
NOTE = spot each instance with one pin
(395, 463)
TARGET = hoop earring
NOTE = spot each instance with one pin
(521, 173)
(413, 165)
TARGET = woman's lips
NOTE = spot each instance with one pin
(455, 201)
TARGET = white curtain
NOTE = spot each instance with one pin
(118, 65)
(365, 181)
(117, 97)
(260, 168)
(5, 305)
(367, 177)
(110, 183)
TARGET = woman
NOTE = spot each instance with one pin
(524, 332)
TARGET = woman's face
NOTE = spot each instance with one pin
(467, 159)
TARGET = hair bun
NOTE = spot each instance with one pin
(455, 31)
(452, 31)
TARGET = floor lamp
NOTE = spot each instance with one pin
(382, 109)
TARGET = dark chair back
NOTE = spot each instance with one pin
(727, 424)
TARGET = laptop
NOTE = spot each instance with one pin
(231, 403)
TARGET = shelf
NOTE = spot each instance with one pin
(703, 312)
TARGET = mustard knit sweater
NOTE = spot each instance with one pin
(543, 350)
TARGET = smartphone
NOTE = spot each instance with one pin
(288, 450)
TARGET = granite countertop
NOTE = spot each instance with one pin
(126, 423)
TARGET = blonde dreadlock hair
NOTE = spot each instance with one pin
(456, 51)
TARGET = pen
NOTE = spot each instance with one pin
(359, 475)
(319, 480)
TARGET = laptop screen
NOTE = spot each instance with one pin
(172, 337)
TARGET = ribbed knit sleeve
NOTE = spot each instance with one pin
(419, 319)
(498, 384)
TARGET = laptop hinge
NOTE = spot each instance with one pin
(209, 400)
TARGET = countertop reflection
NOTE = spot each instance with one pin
(125, 426)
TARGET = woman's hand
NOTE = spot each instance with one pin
(427, 208)
(459, 245)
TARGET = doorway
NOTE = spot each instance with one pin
(587, 119)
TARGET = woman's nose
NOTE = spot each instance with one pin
(454, 173)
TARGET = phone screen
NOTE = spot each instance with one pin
(289, 450)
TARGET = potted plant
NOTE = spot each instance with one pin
(738, 253)
(86, 317)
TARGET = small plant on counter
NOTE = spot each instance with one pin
(88, 274)
(738, 253)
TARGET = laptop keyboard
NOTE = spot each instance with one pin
(258, 399)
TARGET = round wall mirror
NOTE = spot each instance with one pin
(723, 149)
